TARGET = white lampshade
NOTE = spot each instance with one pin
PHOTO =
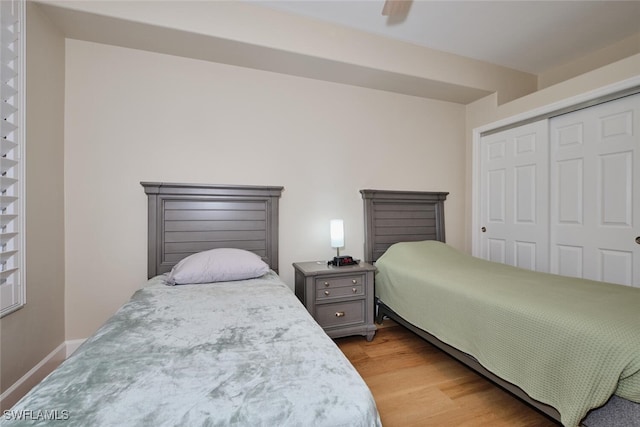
(337, 233)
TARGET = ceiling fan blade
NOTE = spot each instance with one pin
(396, 7)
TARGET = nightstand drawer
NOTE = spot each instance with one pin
(340, 313)
(339, 282)
(344, 291)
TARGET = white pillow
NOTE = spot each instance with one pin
(217, 265)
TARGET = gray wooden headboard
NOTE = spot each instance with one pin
(189, 218)
(399, 216)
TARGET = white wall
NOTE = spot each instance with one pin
(134, 116)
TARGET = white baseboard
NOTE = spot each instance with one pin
(72, 345)
(36, 374)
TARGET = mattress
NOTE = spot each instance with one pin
(567, 342)
(242, 353)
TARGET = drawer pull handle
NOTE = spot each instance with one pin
(354, 290)
(339, 313)
(354, 281)
(326, 283)
(327, 293)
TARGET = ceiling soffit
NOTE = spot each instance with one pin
(116, 30)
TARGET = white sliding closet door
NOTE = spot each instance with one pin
(514, 196)
(595, 192)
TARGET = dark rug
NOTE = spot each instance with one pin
(616, 412)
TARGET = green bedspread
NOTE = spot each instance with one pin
(570, 343)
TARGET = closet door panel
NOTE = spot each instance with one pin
(616, 171)
(569, 189)
(569, 260)
(594, 204)
(514, 203)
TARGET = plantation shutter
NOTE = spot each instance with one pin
(12, 289)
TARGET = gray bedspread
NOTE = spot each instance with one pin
(242, 353)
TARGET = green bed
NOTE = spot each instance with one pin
(568, 343)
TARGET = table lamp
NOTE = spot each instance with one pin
(336, 228)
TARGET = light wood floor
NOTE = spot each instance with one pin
(416, 384)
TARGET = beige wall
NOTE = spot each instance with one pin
(599, 58)
(31, 333)
(244, 34)
(136, 116)
(486, 111)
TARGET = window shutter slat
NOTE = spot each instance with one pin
(7, 33)
(6, 146)
(7, 273)
(6, 201)
(6, 164)
(6, 238)
(7, 72)
(7, 129)
(6, 219)
(7, 109)
(5, 256)
(6, 183)
(7, 91)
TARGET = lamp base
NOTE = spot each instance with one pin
(339, 261)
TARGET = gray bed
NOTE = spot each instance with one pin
(241, 352)
(418, 217)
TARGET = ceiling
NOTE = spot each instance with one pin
(529, 36)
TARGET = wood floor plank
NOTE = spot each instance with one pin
(416, 384)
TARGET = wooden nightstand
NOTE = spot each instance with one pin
(339, 298)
